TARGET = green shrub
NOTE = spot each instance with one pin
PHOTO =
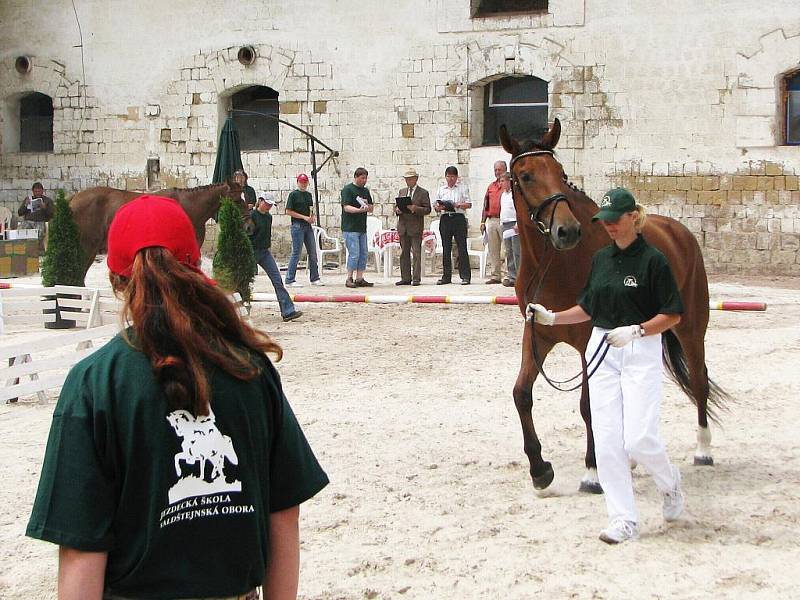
(63, 259)
(234, 262)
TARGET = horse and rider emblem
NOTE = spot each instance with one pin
(200, 464)
(630, 281)
(606, 201)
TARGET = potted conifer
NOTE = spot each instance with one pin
(63, 259)
(234, 262)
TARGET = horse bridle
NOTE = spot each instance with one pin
(544, 230)
(553, 199)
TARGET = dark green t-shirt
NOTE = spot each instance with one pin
(249, 194)
(300, 202)
(261, 238)
(630, 286)
(354, 221)
(181, 504)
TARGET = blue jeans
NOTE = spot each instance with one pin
(266, 262)
(302, 234)
(356, 243)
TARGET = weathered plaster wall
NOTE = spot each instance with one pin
(679, 103)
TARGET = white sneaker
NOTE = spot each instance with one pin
(317, 282)
(674, 500)
(619, 531)
(294, 284)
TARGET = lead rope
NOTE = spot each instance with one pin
(590, 369)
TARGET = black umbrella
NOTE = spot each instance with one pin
(229, 158)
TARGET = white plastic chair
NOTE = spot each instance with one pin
(438, 249)
(5, 221)
(482, 254)
(373, 224)
(320, 236)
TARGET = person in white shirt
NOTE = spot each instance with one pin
(508, 220)
(451, 203)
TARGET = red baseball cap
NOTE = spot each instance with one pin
(151, 221)
(302, 178)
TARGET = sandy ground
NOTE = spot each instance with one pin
(409, 409)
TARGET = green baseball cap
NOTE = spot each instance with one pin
(614, 204)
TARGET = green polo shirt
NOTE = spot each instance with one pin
(261, 238)
(300, 202)
(356, 222)
(249, 194)
(630, 286)
(181, 503)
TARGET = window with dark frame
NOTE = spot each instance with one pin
(492, 8)
(519, 103)
(256, 132)
(792, 108)
(36, 123)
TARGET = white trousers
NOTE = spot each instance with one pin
(625, 394)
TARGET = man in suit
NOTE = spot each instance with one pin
(410, 225)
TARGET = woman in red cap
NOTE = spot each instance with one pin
(175, 466)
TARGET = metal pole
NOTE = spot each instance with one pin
(316, 189)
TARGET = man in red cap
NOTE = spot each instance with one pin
(299, 206)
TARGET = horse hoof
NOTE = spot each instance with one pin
(590, 487)
(704, 461)
(540, 482)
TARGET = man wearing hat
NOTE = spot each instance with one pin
(299, 206)
(261, 239)
(410, 223)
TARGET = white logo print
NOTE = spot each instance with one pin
(606, 201)
(203, 446)
(630, 281)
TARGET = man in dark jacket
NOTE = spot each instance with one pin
(34, 213)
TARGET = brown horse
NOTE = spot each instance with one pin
(94, 208)
(558, 240)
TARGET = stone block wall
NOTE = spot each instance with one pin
(682, 108)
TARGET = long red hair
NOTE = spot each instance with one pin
(184, 325)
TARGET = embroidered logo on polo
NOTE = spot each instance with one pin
(630, 281)
(606, 201)
(202, 489)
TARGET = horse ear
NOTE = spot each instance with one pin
(550, 139)
(509, 143)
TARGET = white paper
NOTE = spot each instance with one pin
(509, 233)
(485, 237)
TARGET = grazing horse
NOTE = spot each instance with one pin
(558, 240)
(94, 209)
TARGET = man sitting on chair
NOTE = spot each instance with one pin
(410, 223)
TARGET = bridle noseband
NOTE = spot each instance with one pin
(534, 212)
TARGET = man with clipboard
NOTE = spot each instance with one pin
(412, 204)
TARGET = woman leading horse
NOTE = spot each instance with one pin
(558, 241)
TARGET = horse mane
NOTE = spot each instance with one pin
(199, 187)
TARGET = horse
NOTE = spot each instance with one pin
(94, 209)
(558, 240)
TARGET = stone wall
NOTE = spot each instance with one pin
(679, 103)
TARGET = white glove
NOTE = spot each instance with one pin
(540, 314)
(623, 335)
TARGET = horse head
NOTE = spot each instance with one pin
(541, 193)
(235, 190)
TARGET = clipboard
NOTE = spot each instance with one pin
(403, 202)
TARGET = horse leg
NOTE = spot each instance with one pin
(541, 471)
(698, 382)
(590, 484)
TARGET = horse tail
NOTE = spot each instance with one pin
(675, 361)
